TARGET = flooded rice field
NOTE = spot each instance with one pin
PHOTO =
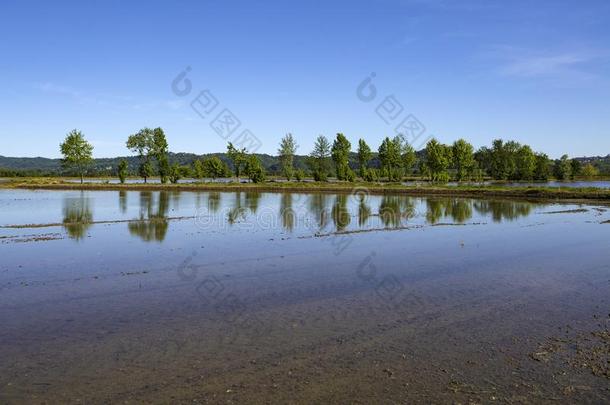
(251, 297)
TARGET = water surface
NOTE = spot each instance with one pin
(274, 297)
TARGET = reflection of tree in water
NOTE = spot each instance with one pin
(460, 210)
(152, 224)
(364, 211)
(340, 214)
(393, 209)
(435, 210)
(237, 211)
(77, 216)
(252, 200)
(457, 209)
(503, 209)
(213, 201)
(175, 196)
(287, 214)
(123, 201)
(318, 210)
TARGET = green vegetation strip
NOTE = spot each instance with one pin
(546, 193)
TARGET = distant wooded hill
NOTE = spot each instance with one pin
(40, 166)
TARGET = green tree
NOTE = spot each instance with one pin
(389, 156)
(364, 156)
(77, 152)
(175, 173)
(576, 168)
(563, 168)
(198, 169)
(483, 157)
(142, 143)
(589, 171)
(123, 170)
(340, 154)
(499, 164)
(254, 169)
(237, 157)
(215, 168)
(286, 152)
(438, 159)
(319, 159)
(525, 163)
(511, 150)
(543, 170)
(160, 150)
(409, 157)
(299, 174)
(463, 159)
(146, 170)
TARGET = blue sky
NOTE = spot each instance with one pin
(537, 72)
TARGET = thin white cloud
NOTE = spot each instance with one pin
(111, 101)
(532, 66)
(569, 67)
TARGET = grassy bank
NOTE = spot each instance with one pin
(538, 193)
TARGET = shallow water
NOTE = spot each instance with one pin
(260, 297)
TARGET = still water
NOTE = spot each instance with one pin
(269, 297)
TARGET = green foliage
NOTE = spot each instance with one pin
(389, 156)
(525, 163)
(237, 157)
(438, 159)
(254, 169)
(177, 172)
(319, 159)
(151, 144)
(146, 170)
(164, 168)
(159, 150)
(483, 159)
(77, 152)
(122, 171)
(563, 168)
(364, 156)
(286, 152)
(214, 168)
(141, 142)
(198, 169)
(512, 161)
(350, 175)
(463, 159)
(340, 154)
(299, 174)
(371, 175)
(409, 157)
(576, 168)
(589, 171)
(542, 172)
(499, 161)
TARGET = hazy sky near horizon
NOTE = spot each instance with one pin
(534, 71)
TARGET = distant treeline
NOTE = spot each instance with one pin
(393, 160)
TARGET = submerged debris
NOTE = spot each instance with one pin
(589, 351)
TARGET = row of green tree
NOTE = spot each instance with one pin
(438, 162)
(395, 159)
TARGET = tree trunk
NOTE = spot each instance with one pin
(81, 178)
